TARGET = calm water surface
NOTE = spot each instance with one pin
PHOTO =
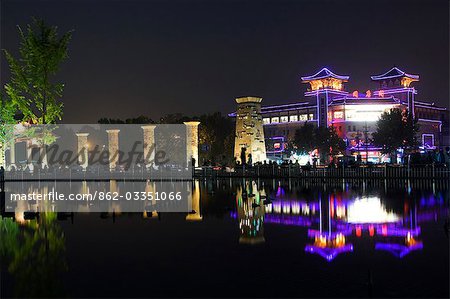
(244, 239)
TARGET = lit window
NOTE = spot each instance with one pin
(266, 120)
(293, 118)
(303, 117)
(275, 119)
(284, 119)
(338, 114)
(311, 116)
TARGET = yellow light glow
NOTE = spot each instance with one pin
(331, 83)
(407, 81)
(355, 94)
(368, 94)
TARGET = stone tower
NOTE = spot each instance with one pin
(249, 129)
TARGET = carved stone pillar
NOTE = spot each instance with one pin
(113, 148)
(149, 141)
(83, 150)
(192, 141)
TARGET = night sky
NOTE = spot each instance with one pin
(129, 58)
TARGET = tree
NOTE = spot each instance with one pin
(7, 123)
(325, 139)
(304, 138)
(41, 53)
(395, 129)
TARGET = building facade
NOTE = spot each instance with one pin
(353, 114)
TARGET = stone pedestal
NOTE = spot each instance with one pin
(149, 142)
(113, 148)
(83, 150)
(192, 141)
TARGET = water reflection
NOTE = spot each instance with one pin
(331, 221)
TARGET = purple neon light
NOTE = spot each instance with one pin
(316, 92)
(430, 120)
(394, 73)
(324, 73)
(288, 109)
(328, 253)
(433, 108)
(284, 105)
(291, 220)
(398, 250)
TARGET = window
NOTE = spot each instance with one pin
(338, 114)
(303, 117)
(428, 140)
(293, 118)
(354, 128)
(275, 119)
(349, 128)
(311, 116)
(284, 119)
(266, 120)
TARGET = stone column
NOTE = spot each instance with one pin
(149, 142)
(83, 150)
(12, 154)
(192, 141)
(113, 147)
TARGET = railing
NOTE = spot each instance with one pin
(295, 171)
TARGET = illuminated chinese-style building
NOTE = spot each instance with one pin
(354, 114)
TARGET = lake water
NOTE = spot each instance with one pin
(243, 238)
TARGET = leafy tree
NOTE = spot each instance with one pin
(395, 129)
(7, 122)
(138, 120)
(216, 137)
(325, 139)
(41, 54)
(304, 138)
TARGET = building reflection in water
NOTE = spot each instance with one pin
(195, 214)
(250, 213)
(334, 219)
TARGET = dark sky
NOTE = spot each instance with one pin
(129, 58)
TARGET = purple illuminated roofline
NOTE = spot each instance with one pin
(289, 109)
(328, 253)
(401, 74)
(284, 105)
(430, 107)
(328, 74)
(397, 249)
